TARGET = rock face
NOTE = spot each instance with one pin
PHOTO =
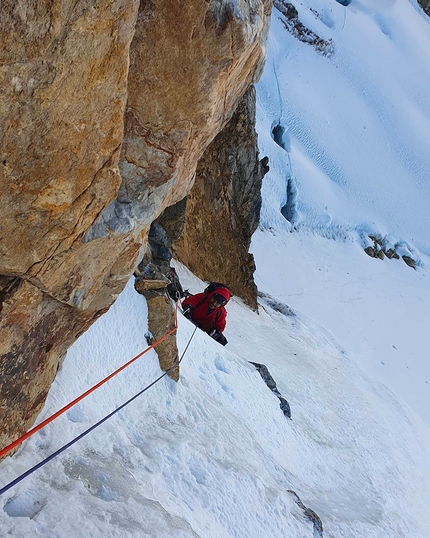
(75, 214)
(62, 105)
(28, 364)
(425, 4)
(223, 208)
(190, 63)
(63, 80)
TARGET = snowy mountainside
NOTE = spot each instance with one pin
(214, 456)
(355, 124)
(347, 138)
(344, 335)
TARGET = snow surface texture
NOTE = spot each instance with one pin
(355, 124)
(345, 336)
(213, 455)
(347, 138)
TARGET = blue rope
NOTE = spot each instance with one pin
(76, 439)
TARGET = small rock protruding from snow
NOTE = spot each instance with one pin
(271, 383)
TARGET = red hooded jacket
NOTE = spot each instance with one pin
(200, 310)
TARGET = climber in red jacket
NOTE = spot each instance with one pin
(207, 310)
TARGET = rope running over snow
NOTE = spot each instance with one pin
(86, 432)
(44, 423)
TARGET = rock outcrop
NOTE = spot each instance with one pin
(293, 25)
(75, 214)
(161, 320)
(384, 246)
(425, 4)
(223, 207)
(154, 281)
(271, 383)
(36, 331)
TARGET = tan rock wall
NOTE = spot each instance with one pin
(190, 63)
(28, 365)
(73, 222)
(61, 108)
(161, 320)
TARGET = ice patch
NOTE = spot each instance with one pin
(26, 504)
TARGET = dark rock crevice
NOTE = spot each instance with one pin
(223, 208)
(289, 209)
(277, 135)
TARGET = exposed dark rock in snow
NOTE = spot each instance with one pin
(409, 261)
(309, 514)
(282, 308)
(270, 382)
(425, 4)
(292, 23)
(285, 407)
(382, 247)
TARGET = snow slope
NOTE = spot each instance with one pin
(344, 335)
(214, 456)
(355, 161)
(356, 123)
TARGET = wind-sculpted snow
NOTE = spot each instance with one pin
(356, 122)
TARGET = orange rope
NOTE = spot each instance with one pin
(21, 439)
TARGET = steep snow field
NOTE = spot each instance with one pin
(355, 160)
(344, 335)
(214, 456)
(355, 124)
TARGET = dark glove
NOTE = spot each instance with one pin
(187, 311)
(218, 336)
